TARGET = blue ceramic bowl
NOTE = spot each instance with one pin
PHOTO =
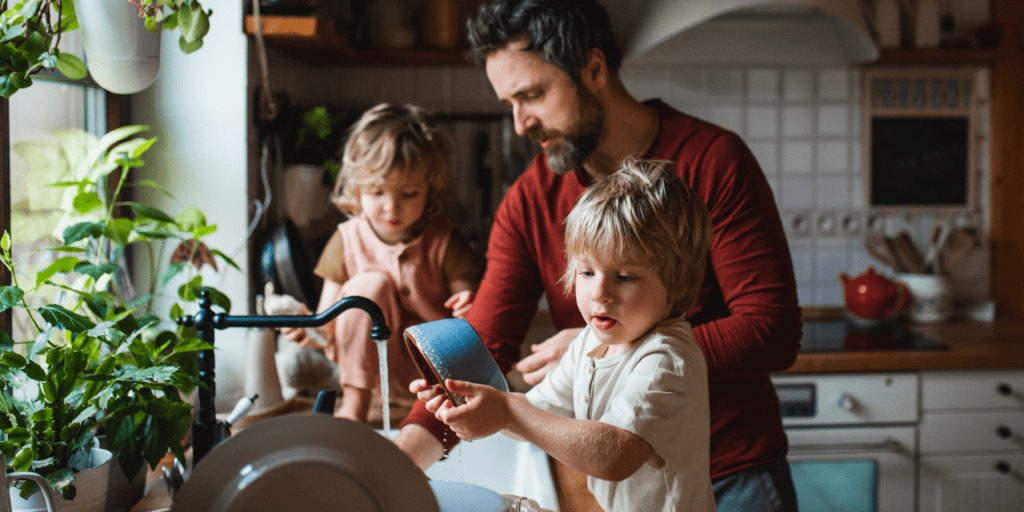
(451, 349)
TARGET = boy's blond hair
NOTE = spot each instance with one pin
(389, 139)
(643, 215)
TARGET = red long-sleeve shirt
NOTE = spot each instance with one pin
(747, 319)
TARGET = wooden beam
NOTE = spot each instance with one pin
(1007, 278)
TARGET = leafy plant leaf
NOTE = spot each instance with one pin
(190, 219)
(218, 298)
(83, 230)
(6, 342)
(71, 66)
(119, 230)
(226, 259)
(150, 212)
(86, 202)
(9, 296)
(61, 317)
(96, 271)
(61, 266)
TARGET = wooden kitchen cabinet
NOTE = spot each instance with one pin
(315, 41)
(972, 441)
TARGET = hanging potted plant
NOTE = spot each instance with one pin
(97, 355)
(312, 146)
(121, 37)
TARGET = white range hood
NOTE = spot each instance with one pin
(749, 32)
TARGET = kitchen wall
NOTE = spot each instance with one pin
(803, 125)
(198, 110)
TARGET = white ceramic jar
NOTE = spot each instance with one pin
(931, 299)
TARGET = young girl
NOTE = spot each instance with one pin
(394, 249)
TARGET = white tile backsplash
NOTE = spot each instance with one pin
(833, 120)
(726, 84)
(763, 85)
(832, 192)
(767, 155)
(687, 84)
(797, 121)
(797, 157)
(797, 192)
(833, 157)
(834, 84)
(797, 85)
(762, 122)
(729, 117)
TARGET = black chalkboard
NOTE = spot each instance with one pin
(919, 161)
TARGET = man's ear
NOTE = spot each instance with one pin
(595, 71)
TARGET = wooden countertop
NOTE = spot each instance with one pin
(972, 346)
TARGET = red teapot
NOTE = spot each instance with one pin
(871, 296)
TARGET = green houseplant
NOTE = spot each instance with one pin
(30, 31)
(100, 356)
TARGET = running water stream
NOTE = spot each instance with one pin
(385, 388)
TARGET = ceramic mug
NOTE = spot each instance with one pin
(6, 490)
(930, 297)
(451, 349)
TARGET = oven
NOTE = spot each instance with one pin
(852, 440)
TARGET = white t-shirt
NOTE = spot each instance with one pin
(658, 390)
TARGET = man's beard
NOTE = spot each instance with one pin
(580, 140)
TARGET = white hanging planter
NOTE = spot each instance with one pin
(120, 53)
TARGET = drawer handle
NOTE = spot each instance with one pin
(1004, 389)
(1003, 432)
(1003, 468)
(885, 446)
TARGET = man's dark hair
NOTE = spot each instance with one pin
(562, 31)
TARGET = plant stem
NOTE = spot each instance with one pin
(14, 281)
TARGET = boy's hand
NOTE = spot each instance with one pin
(431, 395)
(484, 413)
(460, 303)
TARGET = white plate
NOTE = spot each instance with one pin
(306, 462)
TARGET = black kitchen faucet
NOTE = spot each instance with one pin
(206, 430)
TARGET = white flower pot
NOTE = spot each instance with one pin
(90, 486)
(121, 55)
(306, 198)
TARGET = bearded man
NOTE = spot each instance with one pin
(555, 64)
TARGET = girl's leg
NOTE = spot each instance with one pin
(353, 349)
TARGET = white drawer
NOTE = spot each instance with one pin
(853, 399)
(996, 431)
(972, 390)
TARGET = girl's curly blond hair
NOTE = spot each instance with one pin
(390, 139)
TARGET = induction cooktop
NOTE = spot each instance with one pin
(842, 336)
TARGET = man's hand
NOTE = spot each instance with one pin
(484, 413)
(460, 303)
(546, 355)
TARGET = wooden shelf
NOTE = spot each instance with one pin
(942, 56)
(318, 42)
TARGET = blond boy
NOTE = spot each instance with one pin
(628, 403)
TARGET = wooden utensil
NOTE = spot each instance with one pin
(908, 254)
(959, 244)
(879, 249)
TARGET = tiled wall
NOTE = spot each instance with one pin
(803, 125)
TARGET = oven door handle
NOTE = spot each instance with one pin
(887, 445)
